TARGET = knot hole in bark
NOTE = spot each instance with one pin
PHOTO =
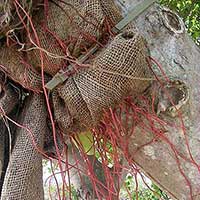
(172, 97)
(128, 35)
(172, 21)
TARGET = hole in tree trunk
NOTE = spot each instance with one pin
(128, 35)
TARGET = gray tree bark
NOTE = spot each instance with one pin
(173, 160)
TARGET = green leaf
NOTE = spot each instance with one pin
(85, 141)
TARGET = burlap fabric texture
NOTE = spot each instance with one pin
(23, 179)
(77, 26)
(9, 98)
(9, 17)
(12, 63)
(118, 71)
(114, 72)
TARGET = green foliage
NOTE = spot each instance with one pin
(189, 10)
(152, 192)
(86, 141)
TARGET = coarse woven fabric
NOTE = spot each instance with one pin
(7, 137)
(9, 98)
(23, 179)
(69, 30)
(12, 62)
(111, 11)
(120, 70)
(117, 71)
(10, 19)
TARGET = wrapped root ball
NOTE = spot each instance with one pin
(120, 70)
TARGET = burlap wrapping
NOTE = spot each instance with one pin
(12, 63)
(7, 138)
(77, 26)
(116, 71)
(81, 24)
(23, 180)
(120, 69)
(9, 17)
(9, 98)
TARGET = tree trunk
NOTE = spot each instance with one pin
(172, 159)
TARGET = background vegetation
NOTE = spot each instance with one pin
(189, 10)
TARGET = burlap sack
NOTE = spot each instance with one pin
(65, 31)
(12, 63)
(120, 70)
(10, 19)
(23, 179)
